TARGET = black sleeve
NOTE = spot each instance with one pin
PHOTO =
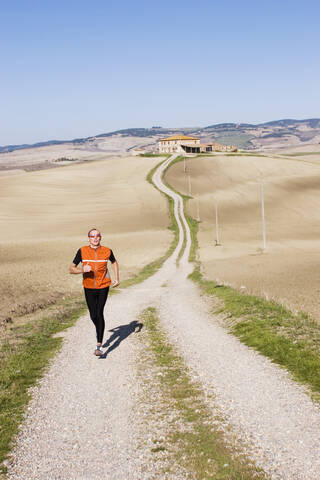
(78, 258)
(112, 257)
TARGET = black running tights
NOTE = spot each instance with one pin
(96, 299)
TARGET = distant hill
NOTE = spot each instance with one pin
(11, 148)
(274, 134)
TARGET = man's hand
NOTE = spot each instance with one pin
(115, 283)
(86, 268)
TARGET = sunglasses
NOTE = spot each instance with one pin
(95, 236)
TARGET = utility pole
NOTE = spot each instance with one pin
(263, 220)
(198, 210)
(217, 227)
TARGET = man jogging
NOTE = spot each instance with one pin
(96, 279)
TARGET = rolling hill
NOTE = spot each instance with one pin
(275, 134)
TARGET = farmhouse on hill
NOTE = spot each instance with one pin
(176, 143)
(186, 144)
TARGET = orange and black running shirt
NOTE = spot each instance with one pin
(97, 258)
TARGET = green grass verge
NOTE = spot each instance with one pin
(24, 361)
(197, 445)
(193, 225)
(153, 155)
(288, 339)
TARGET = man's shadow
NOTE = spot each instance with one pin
(119, 334)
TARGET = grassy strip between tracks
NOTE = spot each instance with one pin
(173, 225)
(31, 345)
(194, 440)
(185, 198)
(289, 339)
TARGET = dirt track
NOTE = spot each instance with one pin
(85, 421)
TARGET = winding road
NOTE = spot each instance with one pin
(84, 421)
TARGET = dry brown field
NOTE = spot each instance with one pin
(289, 271)
(45, 216)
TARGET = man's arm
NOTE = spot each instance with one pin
(74, 269)
(115, 268)
(74, 265)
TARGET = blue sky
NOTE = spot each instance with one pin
(72, 68)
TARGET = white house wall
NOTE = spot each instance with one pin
(174, 146)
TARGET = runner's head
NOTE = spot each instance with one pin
(94, 236)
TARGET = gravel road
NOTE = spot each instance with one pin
(85, 419)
